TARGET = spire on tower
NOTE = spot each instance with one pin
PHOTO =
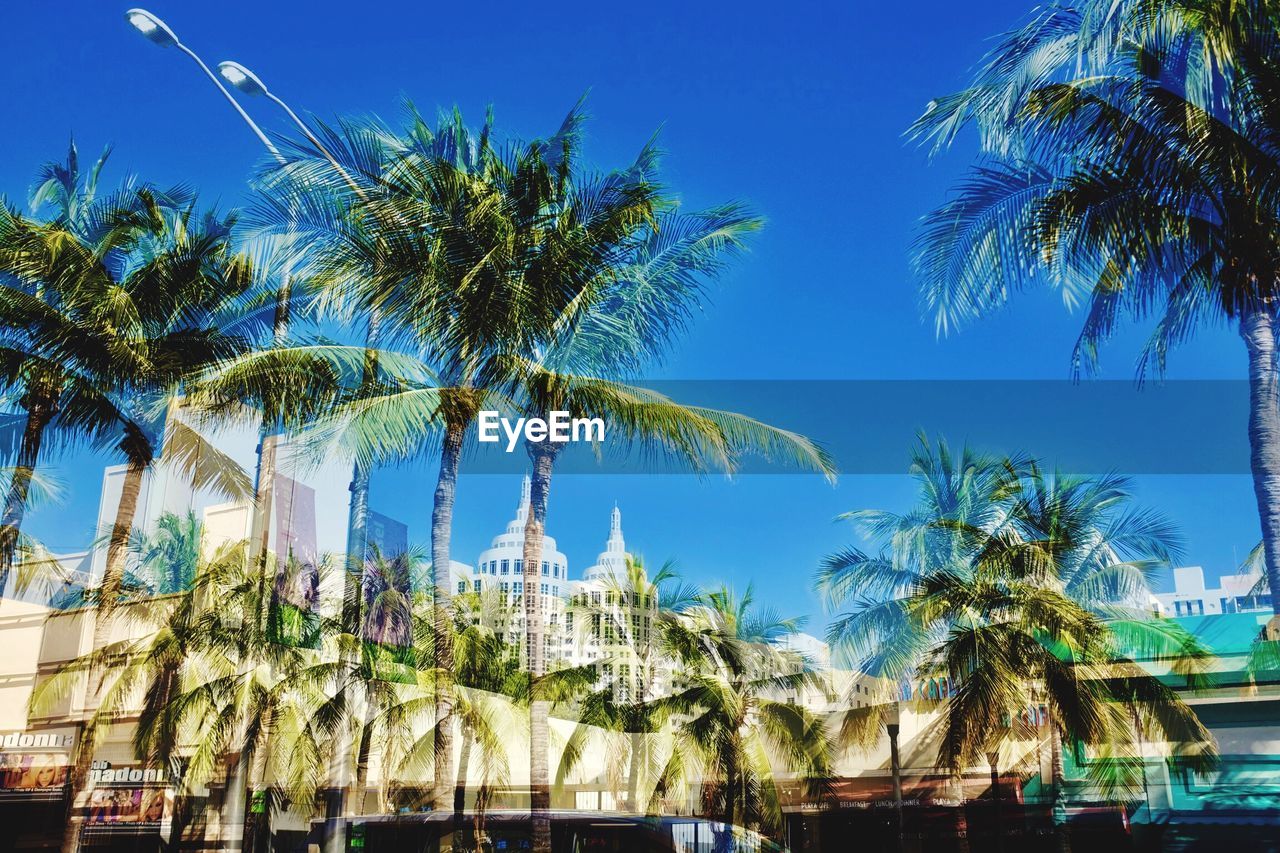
(615, 544)
(522, 511)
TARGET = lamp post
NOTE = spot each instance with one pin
(892, 722)
(336, 805)
(159, 33)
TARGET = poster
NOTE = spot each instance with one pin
(115, 805)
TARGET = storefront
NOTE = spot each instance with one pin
(34, 767)
(129, 808)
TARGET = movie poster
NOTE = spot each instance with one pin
(112, 805)
(32, 775)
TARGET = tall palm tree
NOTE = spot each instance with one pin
(446, 212)
(51, 282)
(425, 246)
(732, 672)
(110, 306)
(1129, 150)
(641, 270)
(1020, 589)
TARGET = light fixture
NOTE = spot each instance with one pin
(242, 78)
(152, 27)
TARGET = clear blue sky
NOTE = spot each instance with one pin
(796, 108)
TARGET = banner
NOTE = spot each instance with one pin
(32, 776)
(134, 806)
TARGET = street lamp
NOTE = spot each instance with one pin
(248, 83)
(158, 33)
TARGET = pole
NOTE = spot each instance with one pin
(895, 767)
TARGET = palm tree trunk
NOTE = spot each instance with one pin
(78, 790)
(730, 799)
(362, 768)
(235, 799)
(895, 772)
(543, 455)
(1257, 328)
(39, 414)
(1060, 829)
(112, 582)
(353, 591)
(992, 759)
(633, 772)
(441, 531)
(118, 547)
(962, 818)
(460, 786)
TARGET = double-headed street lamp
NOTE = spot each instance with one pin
(157, 32)
(248, 83)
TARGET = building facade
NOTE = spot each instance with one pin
(1191, 596)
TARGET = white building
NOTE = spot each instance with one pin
(1190, 596)
(615, 608)
(500, 567)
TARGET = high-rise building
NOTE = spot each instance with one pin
(500, 568)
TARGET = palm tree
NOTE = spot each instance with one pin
(1019, 589)
(425, 247)
(732, 671)
(640, 274)
(629, 618)
(109, 307)
(1128, 156)
(51, 282)
(246, 711)
(200, 671)
(169, 558)
(445, 212)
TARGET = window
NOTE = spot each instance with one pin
(506, 565)
(519, 567)
(544, 586)
(546, 568)
(462, 587)
(477, 584)
(505, 587)
(1193, 607)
